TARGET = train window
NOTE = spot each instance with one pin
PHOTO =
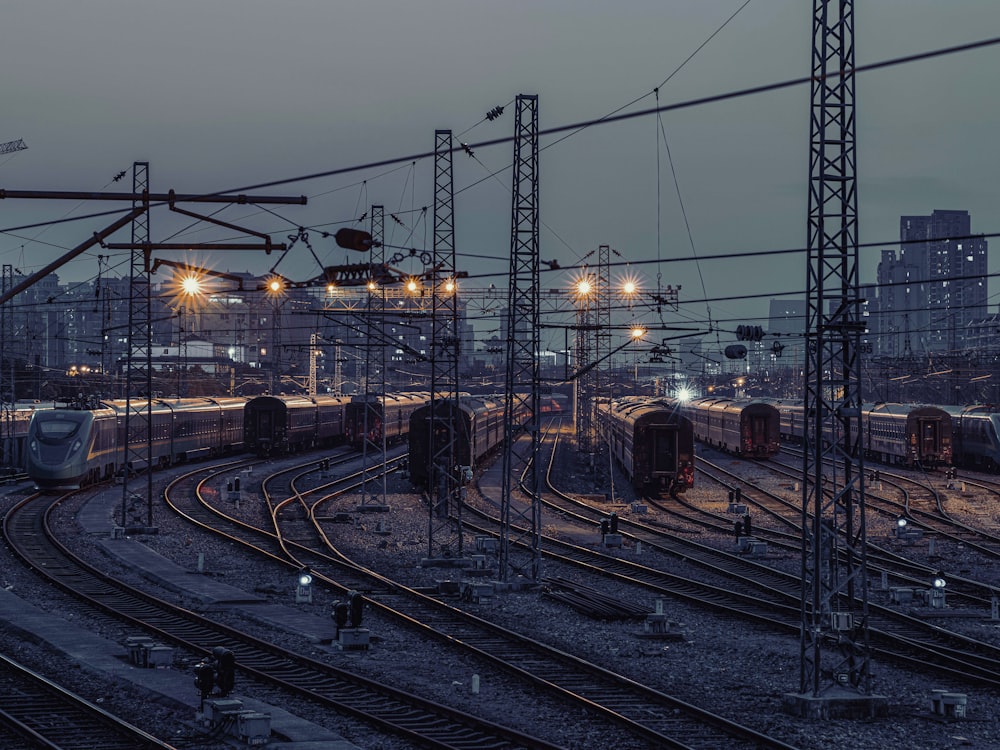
(56, 429)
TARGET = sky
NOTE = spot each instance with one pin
(227, 95)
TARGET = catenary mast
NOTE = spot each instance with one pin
(835, 673)
(520, 526)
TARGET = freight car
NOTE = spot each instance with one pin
(975, 436)
(72, 447)
(903, 434)
(749, 429)
(652, 441)
(475, 423)
(377, 417)
(276, 425)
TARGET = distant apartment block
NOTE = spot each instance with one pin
(931, 292)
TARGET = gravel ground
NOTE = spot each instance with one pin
(736, 669)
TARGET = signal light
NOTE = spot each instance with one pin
(204, 678)
(354, 239)
(225, 669)
(749, 333)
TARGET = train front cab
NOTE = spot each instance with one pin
(66, 450)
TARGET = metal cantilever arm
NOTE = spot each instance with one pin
(63, 260)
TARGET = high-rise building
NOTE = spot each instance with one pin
(931, 291)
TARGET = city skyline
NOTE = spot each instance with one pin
(192, 109)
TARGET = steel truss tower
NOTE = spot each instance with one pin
(444, 533)
(584, 379)
(138, 361)
(520, 528)
(602, 332)
(7, 383)
(834, 635)
(375, 332)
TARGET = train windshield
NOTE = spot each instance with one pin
(52, 427)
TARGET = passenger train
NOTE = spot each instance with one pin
(71, 447)
(749, 429)
(477, 423)
(903, 434)
(651, 440)
(975, 435)
(379, 418)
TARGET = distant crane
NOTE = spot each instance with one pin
(11, 146)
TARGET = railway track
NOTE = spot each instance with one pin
(661, 720)
(894, 569)
(756, 591)
(37, 714)
(424, 722)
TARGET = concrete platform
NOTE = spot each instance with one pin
(168, 686)
(96, 518)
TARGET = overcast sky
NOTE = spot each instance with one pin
(223, 94)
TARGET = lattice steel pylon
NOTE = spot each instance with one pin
(585, 376)
(444, 529)
(834, 634)
(375, 332)
(138, 358)
(602, 322)
(520, 527)
(7, 395)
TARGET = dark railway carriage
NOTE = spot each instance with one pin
(477, 423)
(14, 431)
(287, 424)
(744, 428)
(975, 436)
(907, 434)
(652, 441)
(375, 416)
(904, 434)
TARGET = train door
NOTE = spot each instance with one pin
(263, 423)
(759, 437)
(664, 454)
(930, 441)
